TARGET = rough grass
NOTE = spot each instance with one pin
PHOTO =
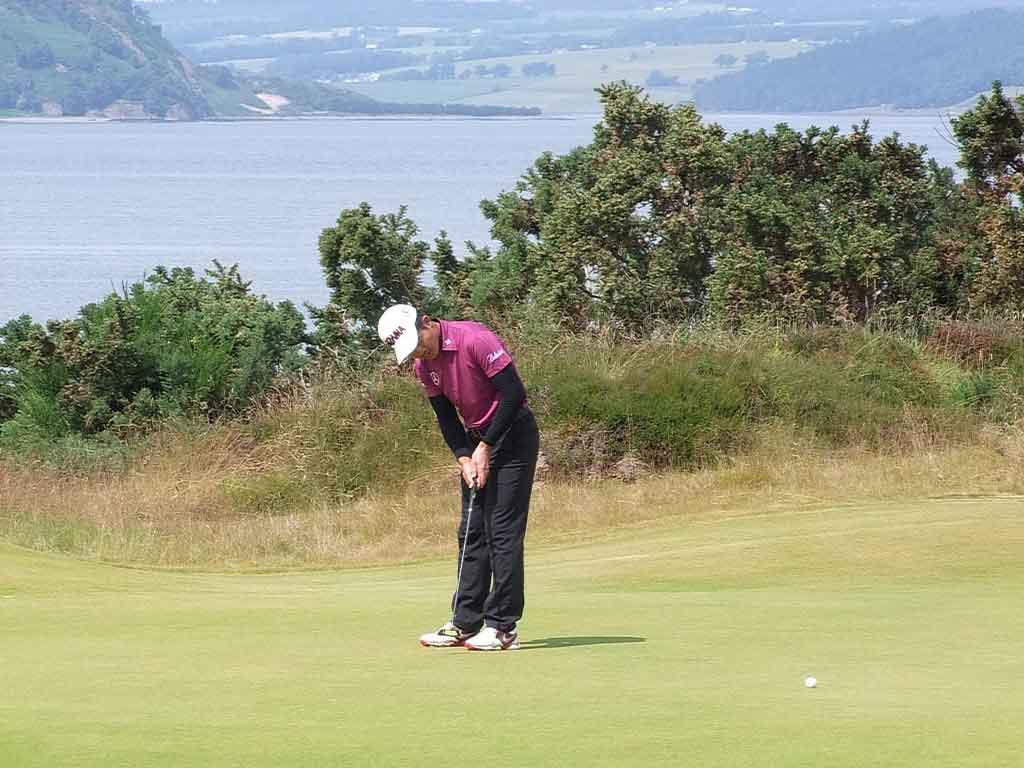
(176, 513)
(353, 471)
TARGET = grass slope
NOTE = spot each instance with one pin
(83, 55)
(682, 643)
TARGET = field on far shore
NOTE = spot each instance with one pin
(577, 74)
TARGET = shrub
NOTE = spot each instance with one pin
(658, 79)
(978, 344)
(36, 57)
(371, 262)
(693, 405)
(175, 345)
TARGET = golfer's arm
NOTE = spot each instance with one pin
(513, 393)
(452, 429)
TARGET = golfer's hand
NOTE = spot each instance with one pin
(482, 463)
(468, 471)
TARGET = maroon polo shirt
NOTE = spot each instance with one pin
(471, 354)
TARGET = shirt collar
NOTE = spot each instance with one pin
(449, 337)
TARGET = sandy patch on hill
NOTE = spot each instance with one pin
(273, 101)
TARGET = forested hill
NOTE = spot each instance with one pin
(106, 57)
(69, 57)
(936, 62)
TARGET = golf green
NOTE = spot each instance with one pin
(681, 643)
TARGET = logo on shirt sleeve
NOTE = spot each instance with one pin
(495, 355)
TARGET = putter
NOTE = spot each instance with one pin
(465, 541)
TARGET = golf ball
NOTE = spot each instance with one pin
(810, 682)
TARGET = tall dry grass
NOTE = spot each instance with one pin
(160, 513)
(351, 470)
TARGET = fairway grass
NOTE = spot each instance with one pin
(678, 642)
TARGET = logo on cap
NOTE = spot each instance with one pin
(395, 334)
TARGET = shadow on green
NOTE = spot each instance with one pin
(571, 642)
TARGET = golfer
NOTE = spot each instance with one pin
(466, 371)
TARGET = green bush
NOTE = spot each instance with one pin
(693, 405)
(174, 345)
(382, 438)
(979, 344)
(675, 410)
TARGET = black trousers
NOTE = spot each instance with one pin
(492, 583)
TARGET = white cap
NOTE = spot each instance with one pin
(397, 328)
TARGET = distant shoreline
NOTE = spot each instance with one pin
(31, 120)
(43, 120)
(877, 109)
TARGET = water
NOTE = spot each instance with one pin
(85, 208)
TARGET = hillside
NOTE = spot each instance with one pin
(107, 58)
(73, 57)
(934, 63)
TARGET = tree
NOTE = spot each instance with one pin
(28, 98)
(441, 70)
(406, 75)
(8, 95)
(103, 37)
(822, 227)
(991, 138)
(75, 102)
(538, 69)
(13, 359)
(452, 277)
(371, 262)
(101, 94)
(220, 76)
(726, 60)
(999, 283)
(622, 229)
(36, 57)
(658, 79)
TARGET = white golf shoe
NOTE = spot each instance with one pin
(447, 636)
(491, 639)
